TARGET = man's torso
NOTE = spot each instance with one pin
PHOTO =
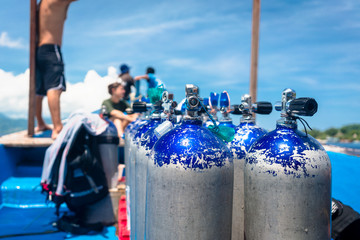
(52, 15)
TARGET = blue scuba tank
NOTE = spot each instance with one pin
(225, 110)
(189, 183)
(140, 107)
(141, 160)
(245, 135)
(288, 179)
(146, 144)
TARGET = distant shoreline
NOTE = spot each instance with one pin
(338, 149)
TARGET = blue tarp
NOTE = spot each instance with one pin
(346, 179)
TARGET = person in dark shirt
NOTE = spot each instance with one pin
(127, 80)
(116, 107)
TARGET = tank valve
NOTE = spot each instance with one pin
(291, 107)
(247, 108)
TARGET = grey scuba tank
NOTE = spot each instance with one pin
(288, 180)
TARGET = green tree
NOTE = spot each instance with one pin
(332, 132)
(317, 134)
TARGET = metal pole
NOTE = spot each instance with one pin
(254, 49)
(31, 113)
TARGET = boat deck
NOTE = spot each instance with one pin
(21, 139)
(24, 214)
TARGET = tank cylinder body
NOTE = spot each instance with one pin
(108, 147)
(141, 161)
(132, 173)
(189, 185)
(245, 135)
(287, 187)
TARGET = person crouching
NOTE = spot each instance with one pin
(116, 107)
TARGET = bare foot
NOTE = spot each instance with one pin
(42, 128)
(54, 134)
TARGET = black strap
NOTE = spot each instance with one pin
(302, 122)
(72, 224)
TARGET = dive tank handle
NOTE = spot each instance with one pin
(262, 107)
(303, 106)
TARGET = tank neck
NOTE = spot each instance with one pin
(286, 122)
(252, 123)
(248, 118)
(155, 116)
(229, 120)
(192, 121)
(192, 116)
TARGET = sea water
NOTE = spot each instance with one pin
(355, 145)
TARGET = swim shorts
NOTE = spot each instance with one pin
(49, 69)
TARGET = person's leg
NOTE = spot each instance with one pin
(41, 125)
(53, 96)
(118, 124)
(124, 124)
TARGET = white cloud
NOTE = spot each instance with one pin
(86, 95)
(155, 29)
(6, 41)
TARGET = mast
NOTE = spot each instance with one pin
(32, 61)
(254, 49)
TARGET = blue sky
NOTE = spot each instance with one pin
(310, 46)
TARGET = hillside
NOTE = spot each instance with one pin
(10, 125)
(347, 133)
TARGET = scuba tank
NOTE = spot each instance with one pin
(225, 110)
(153, 121)
(104, 210)
(190, 180)
(108, 143)
(288, 179)
(129, 134)
(140, 169)
(245, 135)
(147, 142)
(139, 107)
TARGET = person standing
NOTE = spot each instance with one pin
(127, 80)
(50, 79)
(152, 80)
